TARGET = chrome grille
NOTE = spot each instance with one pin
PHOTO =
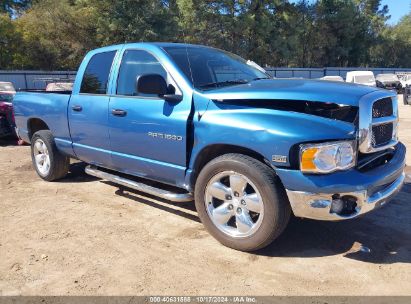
(382, 134)
(382, 108)
(378, 121)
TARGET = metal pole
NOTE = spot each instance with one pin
(25, 80)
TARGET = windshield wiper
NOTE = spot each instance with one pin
(261, 78)
(223, 83)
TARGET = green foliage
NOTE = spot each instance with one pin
(49, 34)
(56, 35)
(133, 20)
(393, 49)
(9, 42)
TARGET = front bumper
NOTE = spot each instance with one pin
(319, 206)
(315, 196)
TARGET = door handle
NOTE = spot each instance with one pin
(77, 108)
(118, 112)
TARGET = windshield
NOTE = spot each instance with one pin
(364, 79)
(208, 68)
(387, 77)
(6, 87)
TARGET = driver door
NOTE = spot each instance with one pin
(147, 134)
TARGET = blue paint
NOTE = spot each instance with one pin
(202, 119)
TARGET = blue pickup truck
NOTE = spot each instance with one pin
(209, 126)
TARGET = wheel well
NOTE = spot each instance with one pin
(213, 151)
(35, 125)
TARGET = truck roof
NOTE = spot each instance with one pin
(358, 73)
(142, 44)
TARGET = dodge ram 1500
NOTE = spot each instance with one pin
(206, 126)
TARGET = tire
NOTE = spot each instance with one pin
(49, 163)
(269, 216)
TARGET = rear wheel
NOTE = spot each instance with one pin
(49, 163)
(241, 202)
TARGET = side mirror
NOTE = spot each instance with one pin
(155, 84)
(173, 98)
(151, 84)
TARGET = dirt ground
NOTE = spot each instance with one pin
(81, 236)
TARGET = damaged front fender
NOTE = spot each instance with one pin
(268, 130)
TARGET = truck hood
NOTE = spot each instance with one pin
(293, 89)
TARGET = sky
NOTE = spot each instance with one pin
(398, 8)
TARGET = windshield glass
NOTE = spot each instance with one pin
(364, 79)
(208, 68)
(387, 77)
(6, 87)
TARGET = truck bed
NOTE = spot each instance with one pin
(50, 107)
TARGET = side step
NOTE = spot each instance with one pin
(171, 196)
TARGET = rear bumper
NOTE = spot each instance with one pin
(5, 127)
(316, 196)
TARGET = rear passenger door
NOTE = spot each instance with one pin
(148, 138)
(88, 111)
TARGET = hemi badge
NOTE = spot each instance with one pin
(279, 158)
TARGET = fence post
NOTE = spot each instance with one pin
(25, 81)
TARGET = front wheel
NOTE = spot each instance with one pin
(241, 202)
(49, 162)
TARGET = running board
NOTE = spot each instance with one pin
(171, 196)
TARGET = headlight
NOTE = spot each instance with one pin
(327, 157)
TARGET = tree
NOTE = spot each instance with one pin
(10, 41)
(47, 34)
(305, 41)
(394, 47)
(133, 20)
(56, 35)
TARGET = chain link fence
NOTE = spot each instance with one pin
(35, 80)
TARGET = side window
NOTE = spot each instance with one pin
(96, 75)
(134, 64)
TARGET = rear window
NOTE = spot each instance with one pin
(96, 74)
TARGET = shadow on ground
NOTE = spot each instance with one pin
(359, 239)
(8, 141)
(165, 205)
(362, 239)
(76, 174)
(383, 236)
